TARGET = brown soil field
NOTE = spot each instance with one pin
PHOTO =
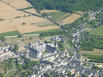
(18, 3)
(70, 19)
(25, 24)
(18, 20)
(48, 11)
(32, 11)
(26, 29)
(7, 12)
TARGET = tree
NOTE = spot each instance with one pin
(44, 15)
(84, 75)
(2, 39)
(20, 35)
(69, 74)
(61, 46)
(1, 75)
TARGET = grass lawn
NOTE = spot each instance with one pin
(97, 32)
(12, 33)
(52, 30)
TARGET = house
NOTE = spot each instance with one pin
(5, 52)
(58, 38)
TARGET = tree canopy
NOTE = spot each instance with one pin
(67, 5)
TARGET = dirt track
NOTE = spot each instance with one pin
(48, 11)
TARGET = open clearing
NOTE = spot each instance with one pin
(70, 19)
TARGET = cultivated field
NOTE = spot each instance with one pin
(70, 19)
(18, 3)
(60, 16)
(14, 20)
(7, 12)
(97, 52)
(26, 24)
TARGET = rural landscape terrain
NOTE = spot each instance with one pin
(51, 38)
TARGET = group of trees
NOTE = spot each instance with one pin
(67, 5)
(2, 39)
(52, 33)
(60, 45)
(1, 75)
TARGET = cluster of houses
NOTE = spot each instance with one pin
(35, 50)
(5, 52)
(58, 38)
(38, 49)
(63, 65)
(53, 60)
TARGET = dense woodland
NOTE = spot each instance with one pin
(67, 5)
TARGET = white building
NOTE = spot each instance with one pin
(5, 52)
(36, 49)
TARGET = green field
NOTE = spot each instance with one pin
(12, 33)
(52, 30)
(97, 32)
(97, 52)
(57, 15)
(96, 55)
